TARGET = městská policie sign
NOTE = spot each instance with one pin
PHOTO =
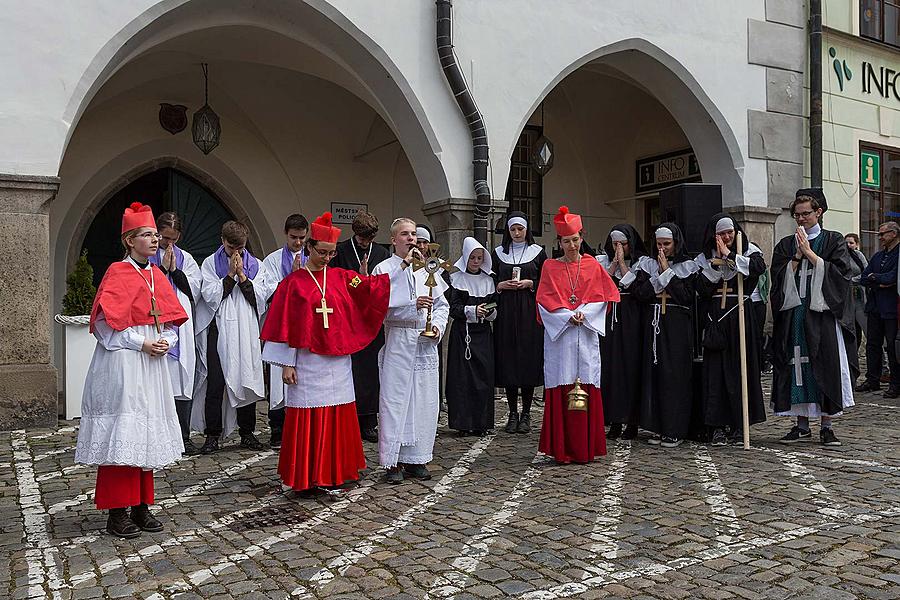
(665, 170)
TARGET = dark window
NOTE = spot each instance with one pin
(882, 203)
(524, 190)
(880, 20)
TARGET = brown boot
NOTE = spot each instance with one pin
(119, 525)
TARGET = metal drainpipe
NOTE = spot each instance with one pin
(815, 93)
(466, 103)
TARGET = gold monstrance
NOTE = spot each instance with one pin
(432, 263)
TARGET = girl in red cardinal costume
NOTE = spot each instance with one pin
(572, 298)
(129, 426)
(319, 316)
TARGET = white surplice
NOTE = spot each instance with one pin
(183, 370)
(570, 351)
(270, 275)
(127, 410)
(322, 380)
(239, 348)
(408, 368)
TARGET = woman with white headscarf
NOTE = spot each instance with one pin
(470, 358)
(518, 337)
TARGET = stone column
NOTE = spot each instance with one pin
(28, 392)
(452, 220)
(759, 224)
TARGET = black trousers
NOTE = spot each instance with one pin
(878, 332)
(276, 420)
(215, 391)
(759, 317)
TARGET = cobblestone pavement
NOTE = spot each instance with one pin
(496, 520)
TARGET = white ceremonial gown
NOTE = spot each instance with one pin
(183, 370)
(239, 348)
(570, 351)
(408, 368)
(322, 380)
(270, 275)
(127, 410)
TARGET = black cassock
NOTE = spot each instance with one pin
(667, 359)
(364, 362)
(470, 366)
(821, 335)
(721, 385)
(518, 337)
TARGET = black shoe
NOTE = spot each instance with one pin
(719, 438)
(630, 433)
(670, 442)
(827, 437)
(394, 475)
(190, 448)
(250, 442)
(512, 423)
(795, 435)
(417, 472)
(275, 440)
(615, 431)
(524, 423)
(370, 434)
(210, 445)
(140, 516)
(869, 386)
(892, 393)
(735, 436)
(119, 525)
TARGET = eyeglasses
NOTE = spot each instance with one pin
(325, 253)
(884, 233)
(804, 214)
(149, 235)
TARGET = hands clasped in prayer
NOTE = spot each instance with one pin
(236, 267)
(803, 248)
(577, 318)
(157, 348)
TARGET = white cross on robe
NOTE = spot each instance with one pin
(798, 361)
(805, 274)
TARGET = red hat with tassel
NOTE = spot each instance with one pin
(566, 223)
(137, 215)
(323, 231)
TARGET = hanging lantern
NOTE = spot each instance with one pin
(542, 156)
(206, 129)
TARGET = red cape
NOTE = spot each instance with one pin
(124, 297)
(360, 305)
(594, 284)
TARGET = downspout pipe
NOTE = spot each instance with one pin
(466, 102)
(815, 93)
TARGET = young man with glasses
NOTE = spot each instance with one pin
(360, 253)
(880, 280)
(813, 371)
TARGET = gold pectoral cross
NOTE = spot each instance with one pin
(324, 311)
(664, 295)
(154, 312)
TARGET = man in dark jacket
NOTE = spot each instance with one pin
(880, 279)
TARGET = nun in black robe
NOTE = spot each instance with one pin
(470, 353)
(620, 372)
(518, 336)
(667, 360)
(350, 255)
(721, 378)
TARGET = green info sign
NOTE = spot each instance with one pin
(870, 169)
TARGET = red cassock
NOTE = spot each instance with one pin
(573, 435)
(322, 446)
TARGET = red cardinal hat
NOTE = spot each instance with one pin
(137, 215)
(566, 223)
(323, 231)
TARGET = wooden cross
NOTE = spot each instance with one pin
(664, 295)
(324, 311)
(154, 312)
(724, 291)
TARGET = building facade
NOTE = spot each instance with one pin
(342, 104)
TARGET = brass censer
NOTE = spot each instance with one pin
(578, 398)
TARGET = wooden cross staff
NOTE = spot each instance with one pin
(742, 331)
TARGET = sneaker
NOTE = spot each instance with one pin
(630, 432)
(250, 442)
(719, 438)
(615, 430)
(417, 472)
(670, 442)
(827, 437)
(394, 476)
(869, 386)
(654, 440)
(370, 434)
(524, 423)
(190, 448)
(795, 435)
(210, 445)
(512, 423)
(275, 440)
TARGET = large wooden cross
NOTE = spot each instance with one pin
(724, 291)
(664, 295)
(324, 311)
(155, 313)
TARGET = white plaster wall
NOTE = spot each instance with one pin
(513, 52)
